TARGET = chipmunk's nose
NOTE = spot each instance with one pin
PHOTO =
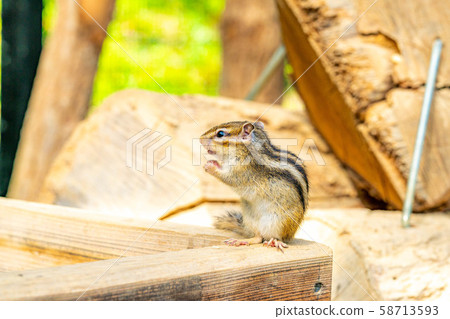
(205, 142)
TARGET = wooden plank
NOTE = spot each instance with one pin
(363, 91)
(13, 258)
(303, 272)
(36, 235)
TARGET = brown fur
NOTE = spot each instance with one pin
(274, 196)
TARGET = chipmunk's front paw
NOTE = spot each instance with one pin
(236, 242)
(273, 242)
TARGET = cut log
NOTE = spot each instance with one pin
(61, 92)
(250, 33)
(375, 258)
(220, 273)
(91, 171)
(36, 235)
(364, 95)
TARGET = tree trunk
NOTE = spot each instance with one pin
(250, 35)
(365, 93)
(61, 92)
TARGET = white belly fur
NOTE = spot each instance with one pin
(263, 222)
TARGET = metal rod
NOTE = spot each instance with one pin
(270, 67)
(421, 130)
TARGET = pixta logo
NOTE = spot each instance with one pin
(142, 148)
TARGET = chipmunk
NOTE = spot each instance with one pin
(272, 183)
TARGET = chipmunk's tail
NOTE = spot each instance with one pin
(233, 221)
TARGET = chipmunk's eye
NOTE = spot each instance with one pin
(220, 134)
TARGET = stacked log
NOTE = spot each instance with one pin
(361, 67)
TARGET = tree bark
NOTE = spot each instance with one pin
(364, 94)
(61, 92)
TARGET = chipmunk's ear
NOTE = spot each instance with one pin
(247, 129)
(259, 125)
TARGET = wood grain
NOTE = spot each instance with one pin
(383, 127)
(355, 76)
(37, 235)
(412, 26)
(303, 272)
(327, 107)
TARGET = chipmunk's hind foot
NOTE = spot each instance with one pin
(243, 242)
(278, 244)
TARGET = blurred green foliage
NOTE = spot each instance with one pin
(176, 42)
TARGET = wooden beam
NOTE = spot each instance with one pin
(51, 118)
(303, 272)
(36, 235)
